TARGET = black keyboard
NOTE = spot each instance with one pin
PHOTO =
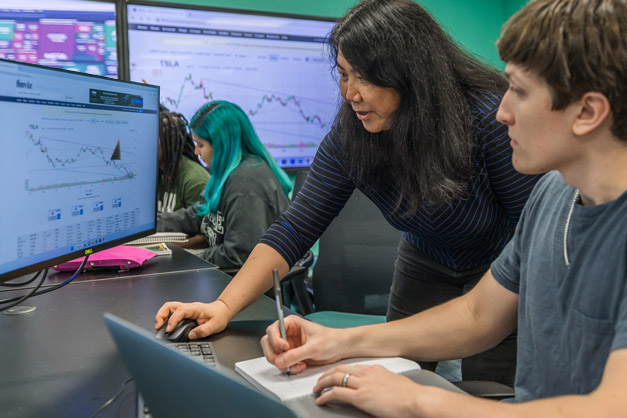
(200, 351)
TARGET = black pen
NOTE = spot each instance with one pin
(279, 307)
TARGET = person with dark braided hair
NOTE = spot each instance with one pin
(182, 178)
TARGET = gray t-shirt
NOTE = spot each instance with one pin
(569, 319)
(252, 198)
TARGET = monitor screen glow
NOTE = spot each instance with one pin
(78, 164)
(78, 35)
(274, 67)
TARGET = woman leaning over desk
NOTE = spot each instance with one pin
(417, 134)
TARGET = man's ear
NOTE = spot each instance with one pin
(594, 110)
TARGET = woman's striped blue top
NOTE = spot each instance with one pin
(466, 234)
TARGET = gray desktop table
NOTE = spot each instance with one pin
(179, 261)
(59, 360)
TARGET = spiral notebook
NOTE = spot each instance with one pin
(160, 237)
(264, 375)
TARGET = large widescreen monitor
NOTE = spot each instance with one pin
(78, 35)
(78, 164)
(273, 66)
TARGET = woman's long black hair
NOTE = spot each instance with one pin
(176, 143)
(397, 44)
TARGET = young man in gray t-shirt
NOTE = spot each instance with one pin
(562, 280)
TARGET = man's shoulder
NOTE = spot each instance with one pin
(549, 197)
(549, 182)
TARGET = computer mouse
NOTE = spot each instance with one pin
(180, 331)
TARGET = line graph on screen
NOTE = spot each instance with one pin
(278, 116)
(97, 161)
(195, 91)
(277, 73)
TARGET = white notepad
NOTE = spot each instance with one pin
(267, 376)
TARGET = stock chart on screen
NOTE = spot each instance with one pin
(273, 67)
(79, 163)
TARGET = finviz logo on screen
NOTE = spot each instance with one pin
(23, 84)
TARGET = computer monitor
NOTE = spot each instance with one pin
(77, 35)
(273, 66)
(78, 164)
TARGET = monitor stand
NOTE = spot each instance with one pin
(19, 310)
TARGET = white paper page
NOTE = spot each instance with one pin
(301, 384)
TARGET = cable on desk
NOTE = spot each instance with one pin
(29, 281)
(112, 399)
(19, 299)
(34, 292)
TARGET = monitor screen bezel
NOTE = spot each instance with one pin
(121, 35)
(105, 245)
(126, 72)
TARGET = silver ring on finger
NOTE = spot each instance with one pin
(345, 379)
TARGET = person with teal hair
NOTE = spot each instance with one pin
(246, 192)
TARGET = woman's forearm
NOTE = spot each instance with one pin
(253, 279)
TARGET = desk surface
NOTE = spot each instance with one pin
(59, 361)
(178, 262)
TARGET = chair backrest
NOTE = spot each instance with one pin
(299, 179)
(355, 264)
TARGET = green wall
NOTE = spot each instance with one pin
(475, 24)
(512, 6)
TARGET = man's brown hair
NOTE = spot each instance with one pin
(576, 46)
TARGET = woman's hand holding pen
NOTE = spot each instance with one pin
(307, 344)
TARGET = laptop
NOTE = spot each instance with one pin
(174, 384)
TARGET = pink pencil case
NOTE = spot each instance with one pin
(124, 257)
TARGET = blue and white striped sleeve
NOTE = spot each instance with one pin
(320, 200)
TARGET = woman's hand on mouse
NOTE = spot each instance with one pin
(211, 317)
